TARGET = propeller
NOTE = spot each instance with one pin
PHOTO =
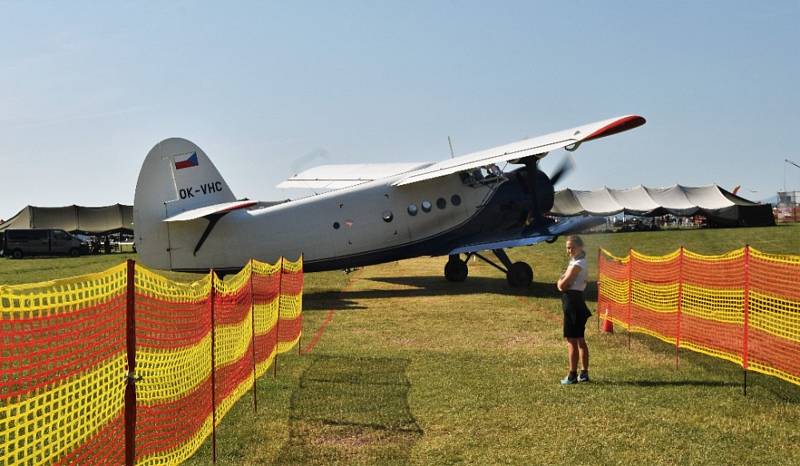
(566, 166)
(536, 179)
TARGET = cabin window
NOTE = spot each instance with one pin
(335, 225)
(388, 216)
(426, 206)
(412, 209)
(455, 199)
(441, 203)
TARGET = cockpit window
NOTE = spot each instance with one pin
(483, 175)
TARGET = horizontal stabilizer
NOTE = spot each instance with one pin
(202, 212)
(329, 177)
(563, 227)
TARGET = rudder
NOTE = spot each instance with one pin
(176, 176)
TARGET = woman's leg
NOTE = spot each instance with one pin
(583, 349)
(572, 353)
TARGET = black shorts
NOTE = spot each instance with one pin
(575, 313)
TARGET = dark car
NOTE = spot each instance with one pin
(40, 242)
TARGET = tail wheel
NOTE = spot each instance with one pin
(519, 275)
(456, 270)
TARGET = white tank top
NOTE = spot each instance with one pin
(580, 280)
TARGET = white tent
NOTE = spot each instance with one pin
(719, 205)
(92, 220)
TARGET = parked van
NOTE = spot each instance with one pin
(40, 242)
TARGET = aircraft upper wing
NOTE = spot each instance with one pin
(564, 226)
(517, 150)
(346, 175)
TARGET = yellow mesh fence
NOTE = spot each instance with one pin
(64, 373)
(62, 369)
(742, 306)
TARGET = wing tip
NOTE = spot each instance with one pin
(617, 126)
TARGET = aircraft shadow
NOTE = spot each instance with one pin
(428, 287)
(349, 409)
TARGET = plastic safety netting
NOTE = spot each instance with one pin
(742, 306)
(198, 347)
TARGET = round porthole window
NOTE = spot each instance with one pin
(335, 225)
(388, 216)
(412, 209)
(441, 203)
(455, 199)
(426, 206)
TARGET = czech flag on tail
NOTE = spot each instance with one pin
(189, 160)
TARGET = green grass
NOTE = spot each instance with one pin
(414, 369)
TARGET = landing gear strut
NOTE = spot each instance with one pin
(518, 274)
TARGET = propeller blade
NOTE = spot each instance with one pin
(566, 166)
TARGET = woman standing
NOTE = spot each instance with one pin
(572, 284)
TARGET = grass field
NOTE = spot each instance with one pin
(413, 369)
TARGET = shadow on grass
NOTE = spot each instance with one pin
(779, 389)
(415, 287)
(351, 410)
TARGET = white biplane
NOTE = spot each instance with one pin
(186, 217)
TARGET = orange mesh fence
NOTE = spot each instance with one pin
(773, 339)
(290, 325)
(65, 348)
(62, 366)
(173, 358)
(742, 306)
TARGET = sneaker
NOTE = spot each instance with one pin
(583, 377)
(568, 381)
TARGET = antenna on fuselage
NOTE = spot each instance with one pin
(451, 147)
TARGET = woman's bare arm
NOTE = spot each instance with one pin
(568, 278)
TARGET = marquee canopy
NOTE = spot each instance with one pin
(75, 219)
(717, 204)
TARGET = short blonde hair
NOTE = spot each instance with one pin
(575, 239)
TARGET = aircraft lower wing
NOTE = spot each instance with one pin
(566, 226)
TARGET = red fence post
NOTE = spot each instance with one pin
(680, 310)
(278, 321)
(130, 387)
(599, 272)
(253, 338)
(746, 306)
(630, 293)
(300, 336)
(212, 296)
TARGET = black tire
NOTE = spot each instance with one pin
(456, 270)
(17, 254)
(520, 275)
(74, 252)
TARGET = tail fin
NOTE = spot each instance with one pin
(176, 176)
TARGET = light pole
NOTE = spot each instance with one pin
(793, 197)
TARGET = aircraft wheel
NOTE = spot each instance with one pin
(17, 254)
(519, 275)
(456, 270)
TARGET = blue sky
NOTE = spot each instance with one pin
(267, 89)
